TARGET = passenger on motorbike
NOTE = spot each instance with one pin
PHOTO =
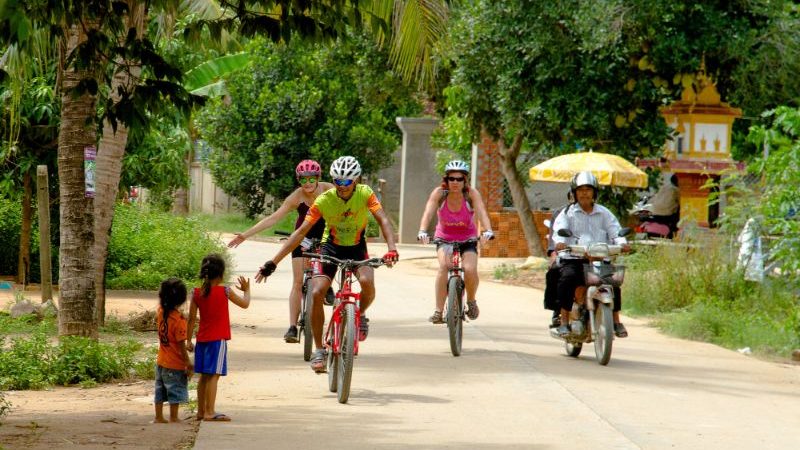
(587, 221)
(551, 278)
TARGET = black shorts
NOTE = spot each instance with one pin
(356, 252)
(314, 233)
(467, 247)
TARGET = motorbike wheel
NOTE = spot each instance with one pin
(604, 326)
(573, 349)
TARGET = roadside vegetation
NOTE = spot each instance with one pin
(694, 290)
(33, 358)
(148, 246)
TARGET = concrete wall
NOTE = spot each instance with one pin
(204, 195)
(418, 174)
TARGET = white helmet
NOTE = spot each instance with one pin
(456, 166)
(345, 168)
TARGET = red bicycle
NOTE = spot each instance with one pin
(341, 336)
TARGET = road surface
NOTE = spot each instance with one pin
(512, 388)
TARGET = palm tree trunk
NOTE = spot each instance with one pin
(24, 258)
(111, 151)
(508, 164)
(76, 269)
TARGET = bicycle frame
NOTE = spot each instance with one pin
(344, 296)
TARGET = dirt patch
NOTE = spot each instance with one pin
(115, 415)
(527, 278)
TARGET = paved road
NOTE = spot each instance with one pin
(511, 388)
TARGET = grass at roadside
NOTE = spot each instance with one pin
(696, 292)
(32, 357)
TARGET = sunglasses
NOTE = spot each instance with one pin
(307, 180)
(342, 183)
(461, 179)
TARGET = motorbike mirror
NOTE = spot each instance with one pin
(547, 223)
(564, 232)
(625, 231)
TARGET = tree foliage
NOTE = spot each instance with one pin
(778, 205)
(298, 101)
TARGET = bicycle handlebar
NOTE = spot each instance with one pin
(372, 262)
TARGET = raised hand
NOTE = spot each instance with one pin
(237, 240)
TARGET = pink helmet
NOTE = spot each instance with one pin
(308, 168)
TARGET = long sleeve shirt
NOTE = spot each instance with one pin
(599, 225)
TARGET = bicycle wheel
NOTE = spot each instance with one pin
(308, 337)
(455, 312)
(604, 324)
(349, 336)
(332, 362)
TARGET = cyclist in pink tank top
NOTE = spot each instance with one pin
(456, 205)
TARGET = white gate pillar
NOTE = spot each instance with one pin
(417, 174)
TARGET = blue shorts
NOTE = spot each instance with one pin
(211, 357)
(171, 386)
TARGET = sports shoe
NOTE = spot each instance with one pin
(436, 318)
(318, 360)
(363, 329)
(563, 330)
(329, 297)
(472, 309)
(291, 335)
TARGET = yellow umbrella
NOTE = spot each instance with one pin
(610, 170)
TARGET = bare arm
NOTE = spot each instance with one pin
(291, 242)
(291, 203)
(386, 228)
(480, 210)
(244, 286)
(430, 208)
(192, 321)
(186, 360)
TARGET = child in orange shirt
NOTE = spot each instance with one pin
(174, 368)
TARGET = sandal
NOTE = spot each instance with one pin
(436, 318)
(472, 309)
(318, 361)
(620, 331)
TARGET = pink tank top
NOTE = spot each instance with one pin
(455, 225)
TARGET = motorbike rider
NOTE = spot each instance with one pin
(585, 219)
(551, 278)
(665, 204)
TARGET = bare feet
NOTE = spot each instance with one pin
(159, 420)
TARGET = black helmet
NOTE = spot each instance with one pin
(584, 178)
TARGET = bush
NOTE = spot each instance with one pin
(696, 292)
(149, 246)
(34, 363)
(10, 225)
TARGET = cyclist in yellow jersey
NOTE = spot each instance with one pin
(345, 210)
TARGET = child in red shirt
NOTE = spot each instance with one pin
(174, 368)
(214, 331)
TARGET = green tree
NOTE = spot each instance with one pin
(550, 77)
(105, 51)
(298, 101)
(778, 204)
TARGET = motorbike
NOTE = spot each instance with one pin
(650, 225)
(591, 318)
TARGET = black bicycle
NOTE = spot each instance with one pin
(455, 294)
